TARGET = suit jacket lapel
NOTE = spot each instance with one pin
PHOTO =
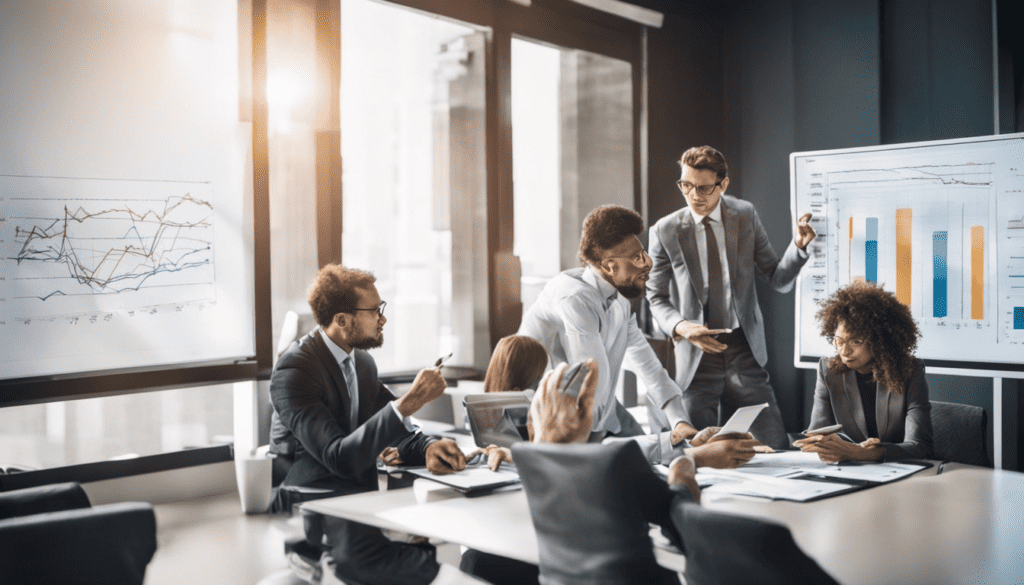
(326, 357)
(851, 393)
(885, 404)
(730, 223)
(688, 244)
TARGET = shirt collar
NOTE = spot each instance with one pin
(715, 215)
(604, 288)
(335, 349)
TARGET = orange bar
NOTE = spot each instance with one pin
(904, 232)
(849, 254)
(977, 272)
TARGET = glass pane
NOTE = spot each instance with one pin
(412, 146)
(572, 149)
(118, 427)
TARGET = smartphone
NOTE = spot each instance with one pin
(824, 430)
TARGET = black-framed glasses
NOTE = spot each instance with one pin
(702, 190)
(639, 259)
(379, 308)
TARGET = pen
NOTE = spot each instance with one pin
(440, 361)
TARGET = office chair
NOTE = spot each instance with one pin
(51, 534)
(591, 505)
(958, 432)
(727, 549)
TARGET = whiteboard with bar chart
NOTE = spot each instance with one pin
(940, 224)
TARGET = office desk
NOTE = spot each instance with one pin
(963, 526)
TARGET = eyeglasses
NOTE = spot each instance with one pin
(702, 190)
(840, 343)
(640, 259)
(379, 308)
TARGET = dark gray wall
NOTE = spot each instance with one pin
(799, 75)
(802, 75)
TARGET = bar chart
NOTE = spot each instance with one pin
(919, 232)
(939, 224)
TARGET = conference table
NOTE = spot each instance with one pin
(963, 525)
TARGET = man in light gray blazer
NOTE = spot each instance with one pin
(722, 365)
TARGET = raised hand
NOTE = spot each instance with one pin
(428, 386)
(557, 416)
(804, 232)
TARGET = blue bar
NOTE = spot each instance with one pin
(939, 274)
(871, 250)
(1018, 317)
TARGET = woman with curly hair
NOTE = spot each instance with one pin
(873, 386)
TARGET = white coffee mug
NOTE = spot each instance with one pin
(253, 473)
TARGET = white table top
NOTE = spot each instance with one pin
(965, 525)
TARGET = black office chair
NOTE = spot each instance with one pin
(958, 432)
(591, 505)
(51, 534)
(727, 549)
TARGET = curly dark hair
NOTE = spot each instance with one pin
(335, 290)
(517, 362)
(870, 313)
(705, 158)
(606, 227)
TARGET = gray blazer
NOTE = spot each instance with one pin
(904, 420)
(676, 283)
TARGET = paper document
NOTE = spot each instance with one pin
(472, 478)
(867, 472)
(799, 476)
(741, 420)
(797, 490)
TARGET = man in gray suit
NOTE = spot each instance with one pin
(702, 290)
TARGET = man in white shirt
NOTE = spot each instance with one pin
(583, 313)
(702, 290)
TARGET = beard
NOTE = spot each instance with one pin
(630, 291)
(366, 341)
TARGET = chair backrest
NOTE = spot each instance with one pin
(959, 432)
(728, 549)
(588, 511)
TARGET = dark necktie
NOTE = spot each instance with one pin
(715, 309)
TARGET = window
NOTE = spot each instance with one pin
(412, 146)
(572, 120)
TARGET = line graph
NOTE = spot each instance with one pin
(142, 245)
(74, 246)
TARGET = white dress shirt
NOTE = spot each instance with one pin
(353, 388)
(580, 315)
(731, 320)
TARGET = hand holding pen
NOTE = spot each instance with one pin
(427, 387)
